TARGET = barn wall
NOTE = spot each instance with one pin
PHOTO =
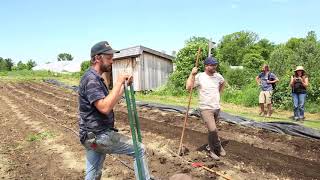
(155, 71)
(149, 71)
(128, 66)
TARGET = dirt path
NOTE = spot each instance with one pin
(57, 154)
(33, 148)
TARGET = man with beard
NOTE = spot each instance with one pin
(210, 84)
(96, 103)
(266, 80)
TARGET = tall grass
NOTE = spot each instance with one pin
(247, 96)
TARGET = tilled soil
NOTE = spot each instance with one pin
(39, 141)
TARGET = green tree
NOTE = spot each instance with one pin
(308, 52)
(64, 57)
(265, 48)
(30, 64)
(9, 63)
(6, 64)
(84, 66)
(253, 61)
(239, 78)
(185, 61)
(282, 60)
(294, 43)
(2, 64)
(21, 66)
(233, 47)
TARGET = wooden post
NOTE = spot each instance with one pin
(187, 113)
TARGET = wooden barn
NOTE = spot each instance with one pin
(150, 68)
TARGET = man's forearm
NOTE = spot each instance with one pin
(189, 82)
(221, 87)
(111, 100)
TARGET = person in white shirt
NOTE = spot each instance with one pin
(210, 84)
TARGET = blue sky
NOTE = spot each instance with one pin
(40, 30)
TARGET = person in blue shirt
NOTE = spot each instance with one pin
(265, 80)
(96, 117)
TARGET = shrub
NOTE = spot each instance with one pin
(248, 96)
(239, 78)
(84, 66)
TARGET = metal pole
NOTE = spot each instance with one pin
(136, 117)
(210, 47)
(133, 131)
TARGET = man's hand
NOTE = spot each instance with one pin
(125, 77)
(258, 82)
(130, 80)
(194, 71)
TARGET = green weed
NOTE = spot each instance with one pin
(40, 136)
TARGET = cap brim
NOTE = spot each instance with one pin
(110, 52)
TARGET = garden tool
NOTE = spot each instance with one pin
(187, 112)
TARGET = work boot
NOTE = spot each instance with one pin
(222, 152)
(214, 156)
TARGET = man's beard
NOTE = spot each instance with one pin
(105, 68)
(211, 71)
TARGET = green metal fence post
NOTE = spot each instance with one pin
(137, 122)
(133, 131)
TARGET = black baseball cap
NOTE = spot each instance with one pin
(102, 47)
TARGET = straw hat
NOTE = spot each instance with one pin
(299, 68)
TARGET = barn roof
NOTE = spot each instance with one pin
(138, 50)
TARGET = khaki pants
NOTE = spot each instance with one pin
(210, 117)
(265, 97)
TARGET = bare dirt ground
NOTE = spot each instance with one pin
(39, 141)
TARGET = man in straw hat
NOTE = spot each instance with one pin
(299, 82)
(265, 80)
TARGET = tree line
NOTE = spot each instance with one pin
(246, 49)
(7, 64)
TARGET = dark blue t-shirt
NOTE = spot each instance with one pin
(264, 78)
(91, 89)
